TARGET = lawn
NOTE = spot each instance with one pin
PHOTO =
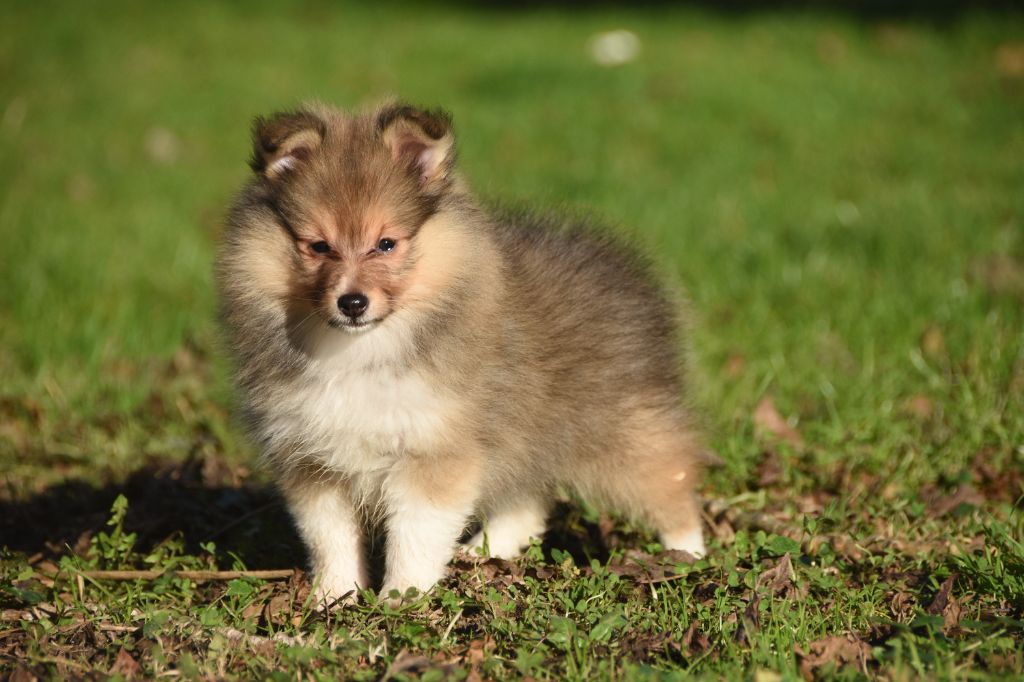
(841, 193)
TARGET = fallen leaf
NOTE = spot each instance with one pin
(998, 274)
(125, 665)
(946, 604)
(1010, 60)
(734, 365)
(779, 580)
(769, 469)
(501, 571)
(22, 674)
(750, 623)
(933, 342)
(252, 611)
(278, 609)
(645, 645)
(541, 573)
(405, 662)
(940, 504)
(695, 640)
(901, 605)
(838, 650)
(919, 405)
(1004, 483)
(768, 419)
(478, 650)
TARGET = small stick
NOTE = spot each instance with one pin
(198, 576)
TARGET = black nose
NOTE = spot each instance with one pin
(353, 305)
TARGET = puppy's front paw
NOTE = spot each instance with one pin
(409, 587)
(331, 592)
(395, 597)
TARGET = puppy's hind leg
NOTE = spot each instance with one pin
(655, 482)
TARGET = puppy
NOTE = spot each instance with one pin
(411, 361)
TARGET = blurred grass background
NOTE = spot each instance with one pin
(831, 186)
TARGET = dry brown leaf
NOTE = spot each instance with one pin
(998, 274)
(940, 505)
(22, 674)
(1004, 483)
(780, 580)
(933, 342)
(253, 610)
(405, 662)
(750, 622)
(646, 645)
(278, 609)
(902, 606)
(501, 571)
(541, 573)
(769, 469)
(768, 419)
(1010, 60)
(946, 605)
(734, 365)
(695, 641)
(478, 650)
(125, 665)
(919, 405)
(839, 650)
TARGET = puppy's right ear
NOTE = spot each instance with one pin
(282, 142)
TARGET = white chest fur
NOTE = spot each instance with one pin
(356, 414)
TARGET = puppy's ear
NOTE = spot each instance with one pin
(420, 141)
(283, 141)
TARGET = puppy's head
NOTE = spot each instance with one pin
(352, 193)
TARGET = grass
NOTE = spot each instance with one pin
(841, 194)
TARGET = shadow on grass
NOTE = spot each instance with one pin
(201, 500)
(205, 499)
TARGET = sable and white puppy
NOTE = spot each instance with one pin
(410, 360)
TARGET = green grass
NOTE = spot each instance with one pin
(842, 196)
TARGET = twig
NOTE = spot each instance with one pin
(198, 576)
(235, 636)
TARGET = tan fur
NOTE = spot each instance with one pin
(499, 356)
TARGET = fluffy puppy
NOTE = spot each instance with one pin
(411, 361)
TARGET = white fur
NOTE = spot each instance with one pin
(359, 413)
(280, 165)
(355, 410)
(509, 531)
(328, 523)
(691, 541)
(422, 535)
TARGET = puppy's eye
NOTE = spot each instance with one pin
(320, 247)
(386, 245)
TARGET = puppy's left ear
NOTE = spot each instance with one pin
(420, 141)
